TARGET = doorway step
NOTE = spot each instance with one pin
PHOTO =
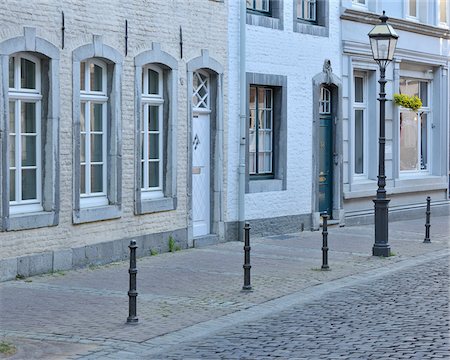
(206, 240)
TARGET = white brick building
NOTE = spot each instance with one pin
(96, 118)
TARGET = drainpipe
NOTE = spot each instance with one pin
(242, 118)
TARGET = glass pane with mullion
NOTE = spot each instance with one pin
(252, 120)
(83, 147)
(12, 117)
(252, 162)
(359, 141)
(83, 116)
(11, 71)
(423, 141)
(252, 104)
(268, 141)
(96, 148)
(153, 117)
(153, 174)
(12, 185)
(29, 150)
(261, 119)
(153, 146)
(423, 92)
(268, 162)
(252, 140)
(28, 117)
(27, 74)
(96, 118)
(268, 117)
(409, 87)
(268, 99)
(96, 178)
(153, 82)
(96, 77)
(408, 140)
(83, 179)
(412, 8)
(82, 76)
(12, 150)
(359, 89)
(261, 140)
(443, 11)
(261, 169)
(29, 184)
(261, 98)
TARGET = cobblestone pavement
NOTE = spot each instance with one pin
(192, 292)
(404, 315)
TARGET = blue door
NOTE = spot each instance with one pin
(325, 153)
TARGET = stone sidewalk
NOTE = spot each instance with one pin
(83, 312)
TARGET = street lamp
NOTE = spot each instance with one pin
(383, 40)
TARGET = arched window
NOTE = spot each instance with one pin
(152, 130)
(200, 98)
(93, 133)
(325, 101)
(25, 157)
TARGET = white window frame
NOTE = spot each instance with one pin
(17, 95)
(325, 101)
(148, 100)
(408, 10)
(88, 97)
(360, 4)
(311, 12)
(423, 109)
(364, 107)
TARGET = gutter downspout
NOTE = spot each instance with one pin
(242, 119)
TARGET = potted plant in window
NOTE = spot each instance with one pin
(410, 102)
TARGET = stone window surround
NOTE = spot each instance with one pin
(49, 55)
(278, 183)
(114, 60)
(273, 20)
(169, 65)
(321, 28)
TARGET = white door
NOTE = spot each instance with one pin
(201, 155)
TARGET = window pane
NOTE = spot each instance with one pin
(12, 150)
(28, 118)
(12, 185)
(443, 11)
(83, 148)
(252, 163)
(96, 117)
(252, 97)
(153, 118)
(423, 142)
(12, 117)
(96, 147)
(359, 141)
(424, 93)
(83, 117)
(261, 145)
(408, 140)
(268, 141)
(83, 179)
(153, 174)
(11, 72)
(153, 82)
(268, 163)
(261, 169)
(252, 120)
(153, 146)
(28, 150)
(359, 94)
(409, 87)
(268, 99)
(96, 178)
(28, 184)
(252, 141)
(260, 119)
(27, 74)
(261, 97)
(96, 74)
(83, 76)
(268, 124)
(412, 8)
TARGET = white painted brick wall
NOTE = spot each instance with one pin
(299, 57)
(204, 27)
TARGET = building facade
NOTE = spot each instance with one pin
(97, 117)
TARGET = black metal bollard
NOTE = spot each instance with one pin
(325, 243)
(247, 265)
(132, 293)
(427, 221)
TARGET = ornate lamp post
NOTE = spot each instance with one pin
(383, 40)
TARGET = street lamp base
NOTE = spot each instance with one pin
(381, 250)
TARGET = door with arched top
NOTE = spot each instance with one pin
(325, 152)
(201, 154)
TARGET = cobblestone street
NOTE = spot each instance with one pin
(190, 303)
(404, 315)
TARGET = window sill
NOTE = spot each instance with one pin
(35, 220)
(304, 27)
(149, 206)
(97, 213)
(264, 21)
(258, 186)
